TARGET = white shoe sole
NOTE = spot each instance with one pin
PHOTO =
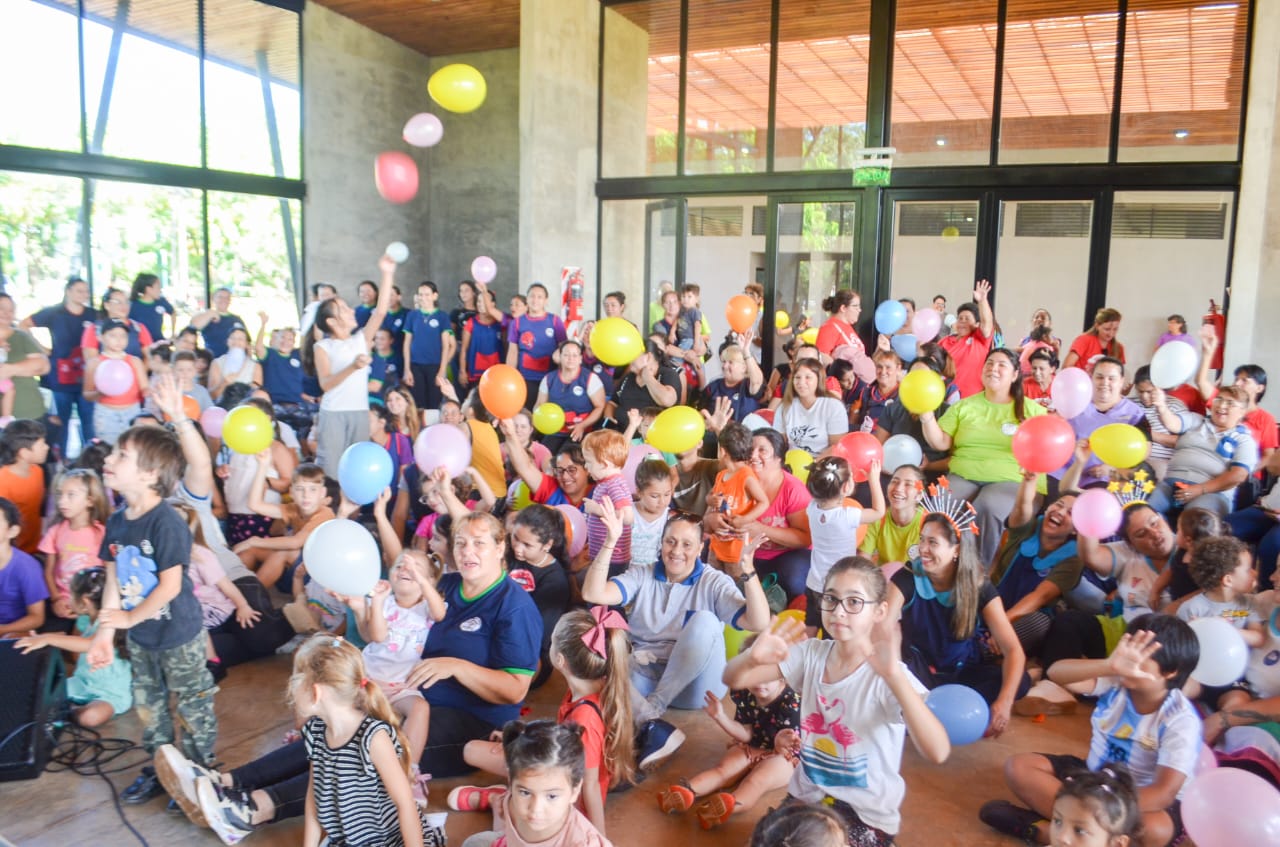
(168, 763)
(666, 751)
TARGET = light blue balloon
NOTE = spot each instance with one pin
(902, 450)
(905, 347)
(890, 316)
(364, 471)
(962, 712)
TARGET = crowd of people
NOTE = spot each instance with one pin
(164, 558)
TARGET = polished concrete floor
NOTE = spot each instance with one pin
(65, 810)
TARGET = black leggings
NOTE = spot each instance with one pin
(1073, 635)
(235, 644)
(986, 678)
(425, 391)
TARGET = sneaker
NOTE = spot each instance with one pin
(473, 798)
(146, 787)
(1046, 698)
(675, 798)
(1005, 817)
(291, 645)
(179, 775)
(656, 742)
(228, 812)
(715, 810)
(418, 784)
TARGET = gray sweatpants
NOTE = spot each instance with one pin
(335, 432)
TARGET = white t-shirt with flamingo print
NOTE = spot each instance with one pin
(851, 736)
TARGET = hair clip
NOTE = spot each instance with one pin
(335, 643)
(958, 511)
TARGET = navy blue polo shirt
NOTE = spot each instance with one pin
(217, 332)
(150, 313)
(282, 376)
(427, 329)
(66, 330)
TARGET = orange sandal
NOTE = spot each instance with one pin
(715, 810)
(676, 798)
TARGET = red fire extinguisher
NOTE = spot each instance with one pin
(573, 290)
(1218, 321)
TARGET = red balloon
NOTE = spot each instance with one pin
(860, 449)
(396, 176)
(1043, 444)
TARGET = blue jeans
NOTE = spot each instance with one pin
(1162, 500)
(1254, 526)
(62, 403)
(694, 667)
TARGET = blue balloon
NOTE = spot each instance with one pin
(962, 711)
(364, 471)
(905, 347)
(890, 316)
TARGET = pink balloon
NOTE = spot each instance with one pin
(484, 269)
(638, 453)
(1207, 762)
(423, 130)
(577, 525)
(1097, 514)
(1072, 392)
(211, 421)
(1229, 807)
(925, 325)
(6, 385)
(396, 177)
(444, 445)
(113, 377)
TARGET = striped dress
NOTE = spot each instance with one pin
(352, 806)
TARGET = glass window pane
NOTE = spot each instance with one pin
(42, 99)
(815, 258)
(40, 243)
(142, 80)
(1183, 81)
(822, 84)
(944, 76)
(641, 88)
(935, 249)
(1042, 263)
(638, 252)
(1059, 75)
(246, 44)
(153, 229)
(1182, 239)
(253, 250)
(727, 88)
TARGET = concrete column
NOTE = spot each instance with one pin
(558, 106)
(1255, 269)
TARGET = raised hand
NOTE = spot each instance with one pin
(168, 398)
(981, 290)
(713, 707)
(885, 657)
(1132, 653)
(387, 265)
(773, 645)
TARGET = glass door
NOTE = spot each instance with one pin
(815, 252)
(663, 253)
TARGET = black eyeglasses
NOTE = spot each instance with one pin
(852, 605)
(571, 469)
(678, 516)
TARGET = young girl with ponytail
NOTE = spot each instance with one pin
(593, 652)
(360, 791)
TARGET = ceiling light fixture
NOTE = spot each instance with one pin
(1181, 133)
(940, 141)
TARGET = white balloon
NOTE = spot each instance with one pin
(423, 130)
(397, 252)
(342, 556)
(902, 450)
(1223, 653)
(753, 422)
(1173, 364)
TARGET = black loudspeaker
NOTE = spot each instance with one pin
(34, 696)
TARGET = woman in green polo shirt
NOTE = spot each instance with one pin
(24, 362)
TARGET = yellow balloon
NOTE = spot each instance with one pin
(798, 462)
(810, 335)
(922, 391)
(1119, 445)
(248, 430)
(459, 88)
(733, 640)
(793, 614)
(616, 342)
(781, 320)
(676, 430)
(548, 419)
(519, 496)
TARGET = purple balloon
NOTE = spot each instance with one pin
(443, 445)
(577, 527)
(1228, 807)
(1097, 514)
(423, 130)
(483, 269)
(211, 421)
(113, 377)
(925, 325)
(1072, 392)
(637, 454)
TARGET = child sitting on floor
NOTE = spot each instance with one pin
(313, 497)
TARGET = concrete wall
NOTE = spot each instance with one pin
(359, 89)
(475, 186)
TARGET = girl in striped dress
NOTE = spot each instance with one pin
(360, 794)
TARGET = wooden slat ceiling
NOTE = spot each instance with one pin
(438, 27)
(1183, 68)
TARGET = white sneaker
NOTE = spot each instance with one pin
(292, 644)
(1046, 697)
(179, 776)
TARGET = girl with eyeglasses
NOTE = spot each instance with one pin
(857, 702)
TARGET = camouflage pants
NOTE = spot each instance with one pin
(179, 671)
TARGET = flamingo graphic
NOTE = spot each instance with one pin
(814, 722)
(844, 736)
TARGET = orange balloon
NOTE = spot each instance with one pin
(502, 390)
(741, 312)
(191, 406)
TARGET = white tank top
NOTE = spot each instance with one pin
(352, 394)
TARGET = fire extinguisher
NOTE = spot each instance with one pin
(1218, 321)
(573, 289)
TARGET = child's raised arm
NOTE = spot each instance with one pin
(487, 497)
(715, 710)
(1024, 503)
(456, 508)
(257, 491)
(877, 510)
(762, 663)
(376, 619)
(435, 603)
(926, 731)
(388, 538)
(1124, 662)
